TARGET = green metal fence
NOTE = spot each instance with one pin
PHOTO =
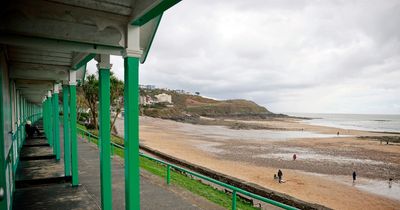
(12, 159)
(93, 138)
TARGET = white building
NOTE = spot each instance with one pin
(148, 87)
(146, 100)
(164, 98)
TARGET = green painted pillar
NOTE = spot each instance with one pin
(67, 140)
(49, 134)
(20, 118)
(24, 110)
(51, 121)
(22, 134)
(24, 119)
(3, 180)
(43, 115)
(74, 142)
(104, 134)
(17, 116)
(44, 110)
(56, 123)
(44, 107)
(45, 118)
(131, 106)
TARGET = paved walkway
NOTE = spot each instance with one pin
(155, 194)
(41, 184)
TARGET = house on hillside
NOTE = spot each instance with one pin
(146, 100)
(164, 98)
(148, 87)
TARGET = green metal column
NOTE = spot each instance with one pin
(51, 121)
(17, 116)
(24, 120)
(44, 115)
(21, 134)
(24, 110)
(27, 109)
(131, 106)
(3, 181)
(20, 118)
(105, 156)
(67, 140)
(49, 133)
(44, 106)
(56, 123)
(45, 120)
(74, 142)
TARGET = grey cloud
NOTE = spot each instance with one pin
(310, 56)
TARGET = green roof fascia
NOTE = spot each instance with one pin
(84, 61)
(154, 12)
(143, 58)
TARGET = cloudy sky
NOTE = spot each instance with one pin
(290, 56)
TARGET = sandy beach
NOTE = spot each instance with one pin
(321, 174)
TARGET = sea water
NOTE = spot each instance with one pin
(367, 122)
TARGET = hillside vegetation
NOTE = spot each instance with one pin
(228, 108)
(189, 108)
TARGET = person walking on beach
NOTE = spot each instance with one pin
(354, 176)
(390, 182)
(280, 174)
(294, 156)
(337, 133)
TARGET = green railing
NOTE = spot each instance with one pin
(12, 158)
(18, 138)
(235, 190)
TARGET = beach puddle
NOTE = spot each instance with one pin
(221, 132)
(373, 186)
(380, 188)
(321, 158)
(211, 147)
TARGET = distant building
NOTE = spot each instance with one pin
(146, 100)
(164, 98)
(148, 87)
(179, 91)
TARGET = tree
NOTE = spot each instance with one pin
(91, 92)
(80, 101)
(116, 99)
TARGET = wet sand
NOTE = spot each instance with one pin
(321, 174)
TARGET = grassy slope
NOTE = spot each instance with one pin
(185, 104)
(179, 179)
(227, 108)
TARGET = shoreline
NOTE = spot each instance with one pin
(178, 140)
